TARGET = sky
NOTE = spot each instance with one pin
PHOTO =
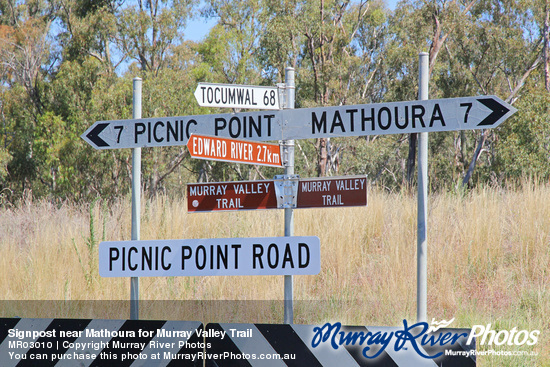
(197, 29)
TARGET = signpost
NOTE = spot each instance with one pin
(234, 138)
(250, 195)
(136, 198)
(452, 114)
(422, 200)
(298, 255)
(237, 96)
(234, 150)
(288, 187)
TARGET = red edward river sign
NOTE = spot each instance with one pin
(234, 150)
(250, 195)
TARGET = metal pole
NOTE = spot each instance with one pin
(422, 219)
(136, 199)
(289, 212)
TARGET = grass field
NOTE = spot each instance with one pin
(488, 262)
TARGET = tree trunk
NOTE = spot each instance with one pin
(545, 47)
(483, 138)
(323, 155)
(411, 159)
(475, 158)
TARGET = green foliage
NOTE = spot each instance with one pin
(88, 30)
(147, 31)
(523, 148)
(18, 130)
(5, 157)
(89, 262)
(343, 53)
(230, 49)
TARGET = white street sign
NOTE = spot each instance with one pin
(465, 113)
(169, 131)
(237, 96)
(297, 255)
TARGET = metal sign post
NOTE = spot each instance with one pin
(422, 218)
(209, 142)
(288, 151)
(136, 198)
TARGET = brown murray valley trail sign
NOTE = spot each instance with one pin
(249, 195)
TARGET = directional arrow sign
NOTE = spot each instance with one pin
(169, 131)
(451, 114)
(466, 113)
(237, 96)
(234, 150)
(220, 256)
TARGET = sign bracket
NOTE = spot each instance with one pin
(281, 89)
(287, 148)
(286, 191)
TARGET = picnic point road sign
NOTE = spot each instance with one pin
(464, 113)
(296, 255)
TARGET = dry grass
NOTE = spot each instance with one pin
(489, 256)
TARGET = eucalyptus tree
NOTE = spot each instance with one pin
(25, 60)
(476, 47)
(147, 29)
(334, 46)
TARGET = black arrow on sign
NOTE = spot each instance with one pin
(94, 135)
(497, 109)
